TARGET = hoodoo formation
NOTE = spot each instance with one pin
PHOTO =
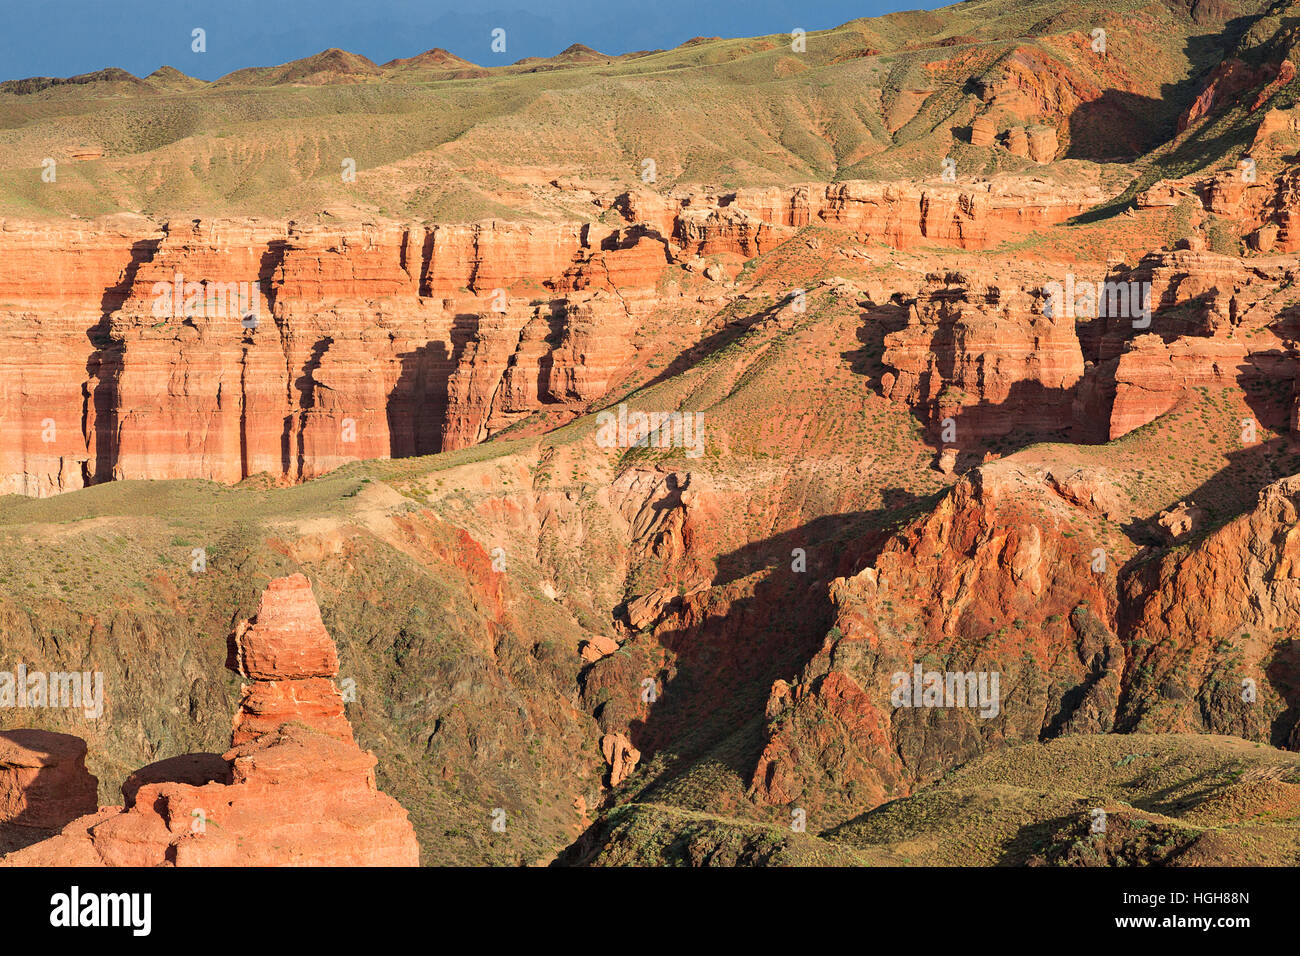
(880, 452)
(294, 789)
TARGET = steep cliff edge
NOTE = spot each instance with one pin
(222, 349)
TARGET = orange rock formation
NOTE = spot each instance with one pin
(294, 789)
(222, 349)
(43, 779)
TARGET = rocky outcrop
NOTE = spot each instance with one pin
(1163, 192)
(291, 660)
(596, 647)
(627, 260)
(293, 790)
(1089, 488)
(1180, 521)
(996, 356)
(1037, 143)
(1055, 91)
(1229, 79)
(985, 355)
(620, 755)
(1004, 577)
(1042, 144)
(1210, 629)
(44, 783)
(982, 131)
(998, 580)
(1018, 142)
(1153, 377)
(1256, 201)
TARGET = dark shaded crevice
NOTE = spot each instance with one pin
(306, 385)
(100, 400)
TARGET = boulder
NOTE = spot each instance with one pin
(982, 131)
(1042, 144)
(1180, 521)
(1018, 142)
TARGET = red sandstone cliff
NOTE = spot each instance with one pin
(990, 354)
(371, 340)
(986, 356)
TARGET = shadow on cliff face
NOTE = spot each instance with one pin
(1283, 672)
(15, 836)
(762, 620)
(878, 321)
(1120, 113)
(272, 259)
(1030, 412)
(1119, 126)
(555, 328)
(103, 369)
(859, 534)
(142, 252)
(306, 384)
(417, 405)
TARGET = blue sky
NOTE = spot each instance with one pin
(67, 37)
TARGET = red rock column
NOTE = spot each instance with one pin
(291, 660)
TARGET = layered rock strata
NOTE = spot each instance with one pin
(994, 356)
(221, 349)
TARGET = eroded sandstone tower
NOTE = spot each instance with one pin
(295, 789)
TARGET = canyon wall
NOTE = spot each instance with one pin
(985, 356)
(224, 349)
(220, 349)
(987, 352)
(902, 214)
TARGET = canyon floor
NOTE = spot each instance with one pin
(974, 333)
